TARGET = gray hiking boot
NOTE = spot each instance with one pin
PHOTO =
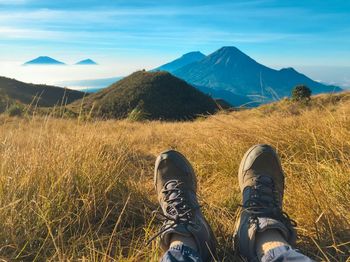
(261, 181)
(176, 187)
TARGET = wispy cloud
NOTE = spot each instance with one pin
(13, 2)
(232, 9)
(247, 20)
(159, 37)
(25, 33)
(146, 24)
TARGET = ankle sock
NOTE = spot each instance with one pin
(268, 240)
(188, 241)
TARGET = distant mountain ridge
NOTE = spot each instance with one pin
(44, 60)
(231, 70)
(184, 60)
(86, 62)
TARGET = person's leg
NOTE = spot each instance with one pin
(271, 246)
(263, 231)
(185, 234)
(181, 253)
(284, 254)
(268, 240)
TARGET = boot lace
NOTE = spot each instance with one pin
(178, 210)
(264, 201)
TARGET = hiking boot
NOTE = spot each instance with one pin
(261, 181)
(176, 187)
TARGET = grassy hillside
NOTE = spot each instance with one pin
(12, 91)
(82, 191)
(148, 95)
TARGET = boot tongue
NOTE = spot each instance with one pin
(259, 193)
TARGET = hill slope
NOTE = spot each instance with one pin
(41, 95)
(154, 95)
(83, 191)
(231, 70)
(184, 60)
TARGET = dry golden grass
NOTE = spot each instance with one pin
(83, 191)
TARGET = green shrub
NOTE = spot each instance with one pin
(15, 110)
(301, 93)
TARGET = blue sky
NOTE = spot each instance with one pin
(274, 32)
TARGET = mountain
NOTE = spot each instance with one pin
(149, 95)
(44, 60)
(86, 62)
(184, 60)
(42, 95)
(231, 70)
